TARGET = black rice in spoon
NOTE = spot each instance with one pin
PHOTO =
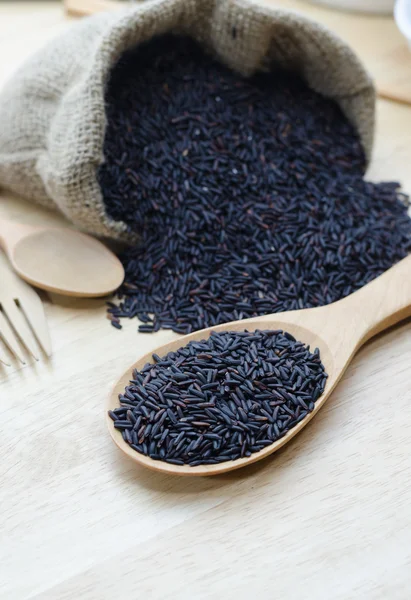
(220, 399)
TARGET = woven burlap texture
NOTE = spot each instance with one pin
(52, 110)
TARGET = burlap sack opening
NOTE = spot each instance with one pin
(52, 111)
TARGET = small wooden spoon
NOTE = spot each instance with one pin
(338, 330)
(61, 260)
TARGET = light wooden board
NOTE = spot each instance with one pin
(327, 518)
(82, 8)
(376, 39)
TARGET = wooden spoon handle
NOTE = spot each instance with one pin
(384, 302)
(11, 233)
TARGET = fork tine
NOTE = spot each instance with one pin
(33, 310)
(19, 325)
(3, 359)
(9, 338)
(22, 314)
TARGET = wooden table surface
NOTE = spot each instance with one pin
(327, 518)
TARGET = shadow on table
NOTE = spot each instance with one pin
(271, 466)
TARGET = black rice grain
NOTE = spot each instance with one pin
(248, 193)
(182, 420)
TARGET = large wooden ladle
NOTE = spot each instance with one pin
(338, 330)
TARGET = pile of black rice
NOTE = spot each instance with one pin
(220, 399)
(248, 193)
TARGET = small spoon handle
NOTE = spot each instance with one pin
(11, 233)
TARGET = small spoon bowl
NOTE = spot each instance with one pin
(61, 260)
(338, 330)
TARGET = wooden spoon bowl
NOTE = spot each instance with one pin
(338, 330)
(61, 260)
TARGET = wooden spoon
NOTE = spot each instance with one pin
(61, 260)
(338, 330)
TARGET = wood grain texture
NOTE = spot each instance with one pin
(326, 518)
(82, 8)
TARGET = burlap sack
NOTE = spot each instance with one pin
(52, 119)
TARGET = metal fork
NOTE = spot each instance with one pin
(22, 317)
